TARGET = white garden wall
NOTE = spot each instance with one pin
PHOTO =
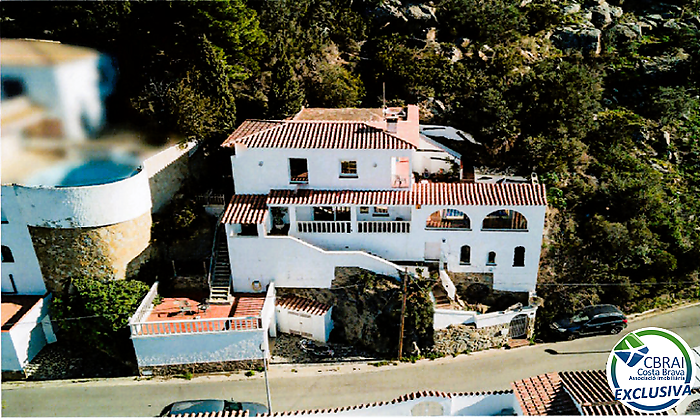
(27, 337)
(161, 350)
(290, 262)
(442, 318)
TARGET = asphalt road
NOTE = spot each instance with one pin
(327, 386)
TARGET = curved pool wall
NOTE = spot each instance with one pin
(85, 206)
(90, 172)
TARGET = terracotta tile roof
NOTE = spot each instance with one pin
(544, 395)
(314, 135)
(591, 391)
(442, 194)
(366, 114)
(245, 209)
(303, 305)
(248, 304)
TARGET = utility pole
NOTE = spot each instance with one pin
(404, 277)
(267, 383)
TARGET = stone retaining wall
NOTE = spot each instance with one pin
(105, 251)
(458, 339)
(219, 366)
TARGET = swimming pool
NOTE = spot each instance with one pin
(86, 173)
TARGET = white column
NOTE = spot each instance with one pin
(292, 219)
(353, 219)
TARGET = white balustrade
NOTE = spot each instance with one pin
(195, 326)
(384, 227)
(324, 227)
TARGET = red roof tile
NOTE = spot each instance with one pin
(442, 194)
(544, 395)
(303, 305)
(245, 209)
(314, 134)
(590, 389)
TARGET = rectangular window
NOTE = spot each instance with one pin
(381, 211)
(249, 230)
(298, 171)
(348, 169)
(364, 209)
(4, 219)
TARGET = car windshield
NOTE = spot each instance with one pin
(196, 407)
(232, 406)
(579, 317)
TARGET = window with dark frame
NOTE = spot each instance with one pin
(348, 169)
(298, 170)
(491, 260)
(381, 211)
(7, 255)
(249, 230)
(519, 257)
(465, 255)
(364, 210)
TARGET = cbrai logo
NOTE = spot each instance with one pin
(650, 370)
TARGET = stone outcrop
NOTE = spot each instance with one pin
(393, 12)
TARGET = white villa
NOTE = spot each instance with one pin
(327, 190)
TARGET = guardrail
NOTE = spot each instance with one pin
(324, 227)
(384, 227)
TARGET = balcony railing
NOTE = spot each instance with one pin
(195, 326)
(324, 227)
(384, 227)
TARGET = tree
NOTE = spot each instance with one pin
(286, 95)
(96, 312)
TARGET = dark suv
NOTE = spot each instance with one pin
(595, 319)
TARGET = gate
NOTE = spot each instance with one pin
(518, 326)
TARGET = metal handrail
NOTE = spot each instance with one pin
(212, 259)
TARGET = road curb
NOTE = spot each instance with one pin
(654, 312)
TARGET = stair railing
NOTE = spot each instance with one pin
(212, 259)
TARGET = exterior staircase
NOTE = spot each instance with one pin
(442, 301)
(220, 270)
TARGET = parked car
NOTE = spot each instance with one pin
(594, 319)
(204, 406)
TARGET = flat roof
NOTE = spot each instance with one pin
(180, 308)
(14, 307)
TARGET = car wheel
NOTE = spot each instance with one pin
(615, 330)
(571, 337)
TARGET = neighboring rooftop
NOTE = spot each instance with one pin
(313, 135)
(245, 209)
(40, 53)
(569, 393)
(14, 307)
(346, 114)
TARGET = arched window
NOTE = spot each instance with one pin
(448, 219)
(7, 255)
(491, 260)
(519, 257)
(465, 255)
(504, 219)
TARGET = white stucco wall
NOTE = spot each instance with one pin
(15, 235)
(84, 206)
(290, 262)
(26, 338)
(199, 347)
(167, 172)
(373, 168)
(411, 246)
(68, 91)
(319, 326)
(488, 404)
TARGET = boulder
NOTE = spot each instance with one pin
(582, 39)
(623, 33)
(420, 13)
(664, 65)
(389, 11)
(571, 9)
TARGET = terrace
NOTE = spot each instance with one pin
(187, 315)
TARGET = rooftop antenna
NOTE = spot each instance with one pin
(383, 96)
